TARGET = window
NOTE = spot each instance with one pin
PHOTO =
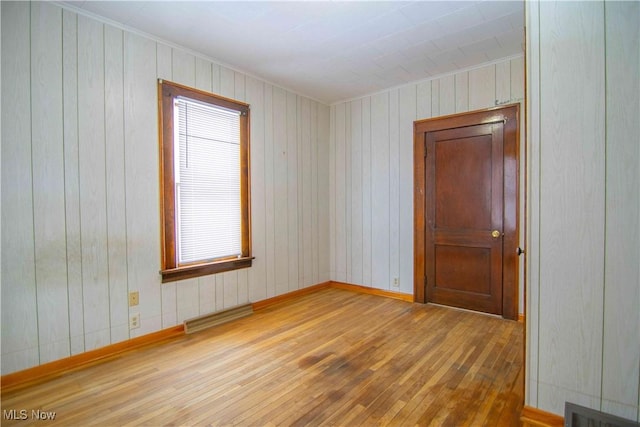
(204, 183)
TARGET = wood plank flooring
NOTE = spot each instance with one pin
(333, 357)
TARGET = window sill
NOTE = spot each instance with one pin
(189, 272)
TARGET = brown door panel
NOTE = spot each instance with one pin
(465, 276)
(462, 269)
(460, 167)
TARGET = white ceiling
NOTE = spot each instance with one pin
(331, 51)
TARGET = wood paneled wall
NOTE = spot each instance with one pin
(583, 314)
(371, 168)
(80, 190)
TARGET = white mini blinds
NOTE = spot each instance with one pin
(207, 181)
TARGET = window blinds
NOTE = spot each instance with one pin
(207, 179)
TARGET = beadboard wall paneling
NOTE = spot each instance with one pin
(394, 188)
(372, 186)
(406, 116)
(280, 191)
(255, 97)
(92, 164)
(347, 183)
(141, 171)
(503, 82)
(367, 172)
(423, 99)
(584, 161)
(447, 98)
(293, 181)
(381, 205)
(270, 212)
(305, 226)
(356, 188)
(116, 183)
(19, 290)
(71, 180)
(81, 216)
(571, 220)
(482, 88)
(322, 201)
(462, 91)
(532, 250)
(339, 212)
(47, 166)
(620, 364)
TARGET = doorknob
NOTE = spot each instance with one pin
(495, 234)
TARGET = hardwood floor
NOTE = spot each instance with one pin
(333, 357)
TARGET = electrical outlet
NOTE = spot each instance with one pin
(396, 282)
(134, 298)
(134, 321)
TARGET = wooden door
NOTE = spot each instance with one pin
(466, 209)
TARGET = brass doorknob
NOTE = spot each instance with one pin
(495, 234)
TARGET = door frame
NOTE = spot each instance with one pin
(510, 116)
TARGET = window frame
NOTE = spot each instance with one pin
(170, 269)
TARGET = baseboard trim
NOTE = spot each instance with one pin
(210, 320)
(56, 368)
(259, 305)
(371, 291)
(50, 370)
(534, 417)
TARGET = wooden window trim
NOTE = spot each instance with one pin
(170, 270)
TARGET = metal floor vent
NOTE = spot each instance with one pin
(213, 319)
(580, 416)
